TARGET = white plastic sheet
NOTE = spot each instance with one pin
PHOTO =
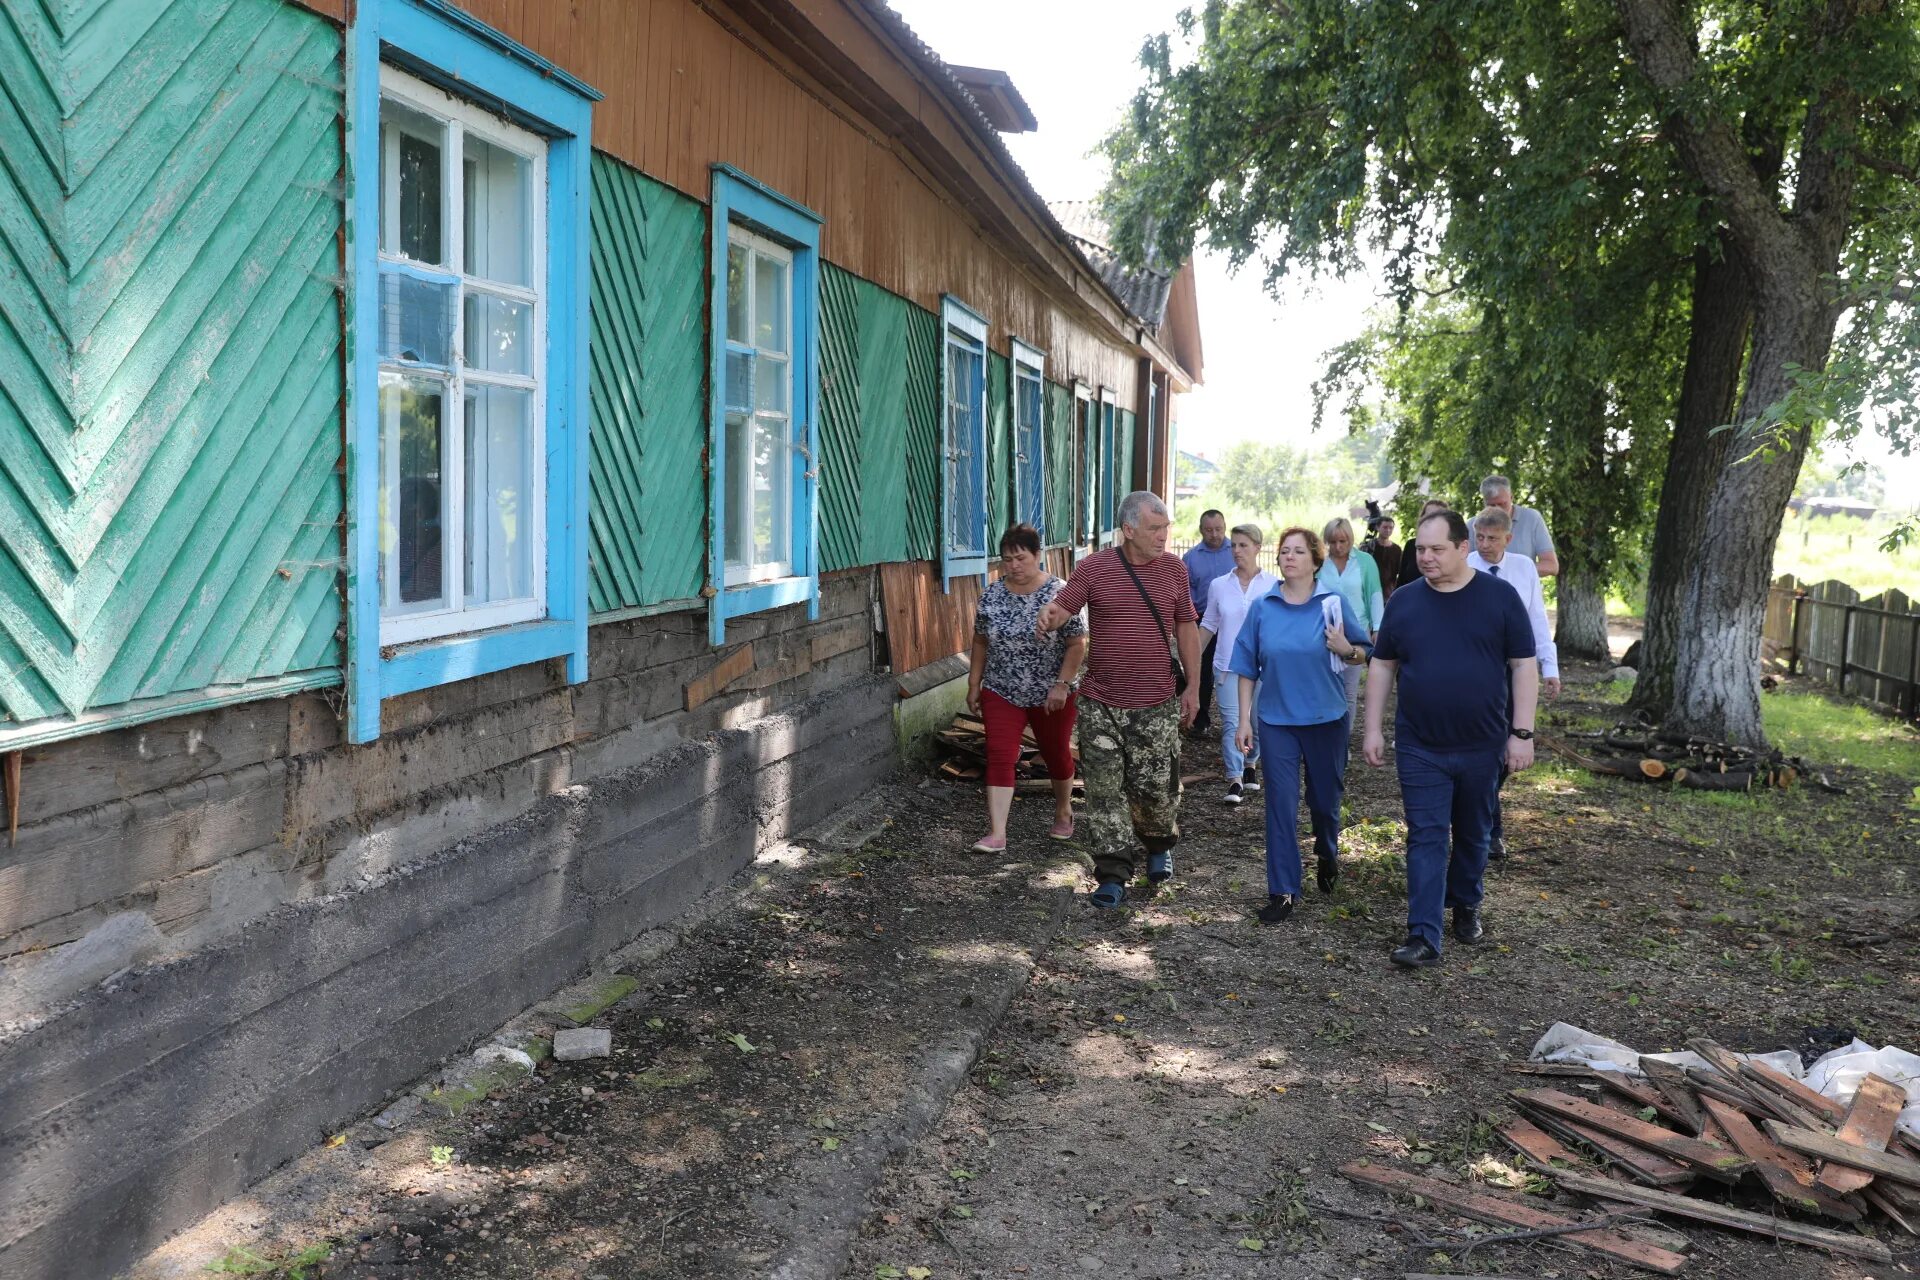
(1564, 1042)
(1837, 1075)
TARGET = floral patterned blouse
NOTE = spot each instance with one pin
(1021, 667)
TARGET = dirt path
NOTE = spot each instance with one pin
(1174, 1090)
(1171, 1087)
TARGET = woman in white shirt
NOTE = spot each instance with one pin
(1228, 600)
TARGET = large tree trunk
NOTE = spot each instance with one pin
(1716, 675)
(1721, 321)
(1580, 628)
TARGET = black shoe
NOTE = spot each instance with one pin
(1328, 874)
(1415, 953)
(1235, 794)
(1279, 907)
(1466, 925)
(1497, 850)
(1250, 779)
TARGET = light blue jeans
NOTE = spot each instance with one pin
(1226, 686)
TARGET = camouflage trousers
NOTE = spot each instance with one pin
(1130, 763)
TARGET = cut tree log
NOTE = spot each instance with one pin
(1882, 1164)
(1709, 1158)
(1653, 769)
(1484, 1207)
(1842, 1242)
(1869, 1123)
(1702, 780)
(1788, 1178)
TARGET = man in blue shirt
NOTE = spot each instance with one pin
(1212, 558)
(1461, 649)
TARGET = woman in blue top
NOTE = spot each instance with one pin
(1297, 641)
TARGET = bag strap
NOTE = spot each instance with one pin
(1142, 589)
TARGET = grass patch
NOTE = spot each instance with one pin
(1831, 732)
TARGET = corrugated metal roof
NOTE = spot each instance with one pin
(1143, 290)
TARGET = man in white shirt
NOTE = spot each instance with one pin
(1530, 537)
(1492, 534)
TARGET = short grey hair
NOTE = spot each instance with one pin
(1251, 532)
(1340, 523)
(1137, 503)
(1495, 484)
(1495, 519)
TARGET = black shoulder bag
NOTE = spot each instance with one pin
(1179, 672)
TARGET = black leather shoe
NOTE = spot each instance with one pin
(1279, 907)
(1466, 925)
(1497, 850)
(1327, 874)
(1415, 953)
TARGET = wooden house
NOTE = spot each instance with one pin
(470, 475)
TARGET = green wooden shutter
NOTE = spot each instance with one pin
(646, 512)
(170, 352)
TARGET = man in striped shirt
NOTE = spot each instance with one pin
(1130, 714)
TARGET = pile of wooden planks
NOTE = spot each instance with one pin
(1693, 1143)
(965, 742)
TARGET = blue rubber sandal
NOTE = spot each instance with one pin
(1109, 895)
(1160, 867)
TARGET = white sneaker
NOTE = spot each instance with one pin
(1234, 793)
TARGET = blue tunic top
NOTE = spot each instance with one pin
(1203, 566)
(1284, 647)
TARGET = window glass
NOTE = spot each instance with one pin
(497, 190)
(462, 390)
(413, 213)
(964, 373)
(498, 334)
(757, 395)
(499, 486)
(413, 499)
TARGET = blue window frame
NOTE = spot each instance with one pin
(963, 491)
(467, 355)
(763, 430)
(1109, 463)
(1029, 436)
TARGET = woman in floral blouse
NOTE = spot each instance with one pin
(1017, 679)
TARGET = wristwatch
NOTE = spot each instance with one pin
(1525, 735)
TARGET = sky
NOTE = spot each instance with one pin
(1262, 355)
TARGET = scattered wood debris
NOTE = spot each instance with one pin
(965, 742)
(1737, 1145)
(1644, 754)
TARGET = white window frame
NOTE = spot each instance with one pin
(740, 469)
(462, 118)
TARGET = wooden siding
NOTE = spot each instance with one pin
(1061, 476)
(925, 623)
(884, 318)
(923, 469)
(691, 83)
(841, 475)
(647, 398)
(170, 337)
(1129, 477)
(999, 448)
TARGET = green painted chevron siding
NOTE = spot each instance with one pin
(170, 394)
(923, 469)
(883, 425)
(1060, 477)
(647, 394)
(840, 471)
(1123, 454)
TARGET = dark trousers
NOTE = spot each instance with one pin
(1499, 830)
(1202, 721)
(1285, 749)
(1450, 799)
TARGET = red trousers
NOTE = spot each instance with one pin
(1052, 730)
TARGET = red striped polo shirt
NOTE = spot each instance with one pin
(1127, 663)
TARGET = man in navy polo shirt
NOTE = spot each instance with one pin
(1461, 649)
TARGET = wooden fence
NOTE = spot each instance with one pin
(1865, 648)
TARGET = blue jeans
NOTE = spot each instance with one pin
(1228, 689)
(1286, 748)
(1450, 799)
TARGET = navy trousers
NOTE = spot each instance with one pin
(1450, 799)
(1285, 750)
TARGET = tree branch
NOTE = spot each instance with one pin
(1893, 168)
